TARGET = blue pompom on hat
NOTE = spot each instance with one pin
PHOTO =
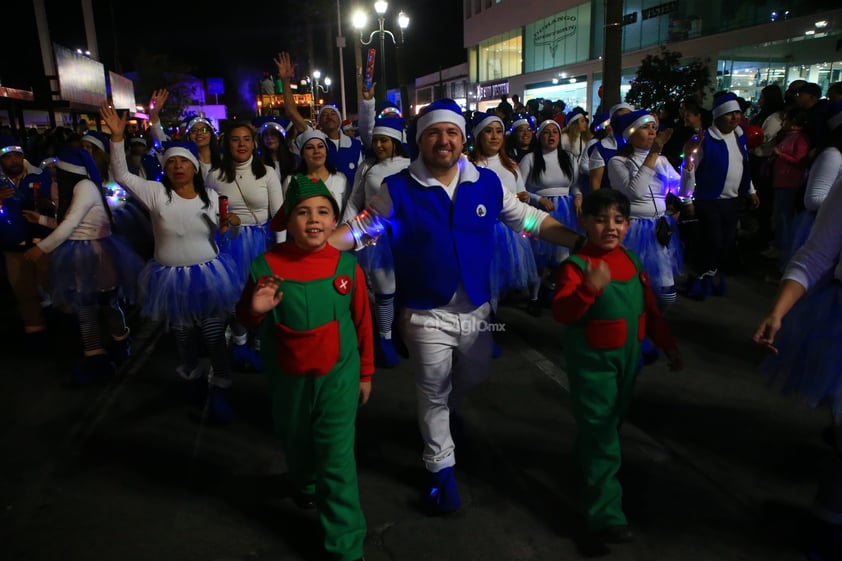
(9, 144)
(393, 127)
(98, 139)
(724, 104)
(75, 159)
(183, 148)
(625, 125)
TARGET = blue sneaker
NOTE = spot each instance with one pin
(388, 353)
(442, 497)
(245, 360)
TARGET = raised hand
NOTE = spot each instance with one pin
(159, 97)
(597, 276)
(267, 294)
(114, 121)
(284, 65)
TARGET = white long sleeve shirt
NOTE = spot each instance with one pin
(553, 182)
(822, 250)
(368, 181)
(825, 171)
(646, 188)
(85, 219)
(184, 230)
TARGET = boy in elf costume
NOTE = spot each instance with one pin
(608, 306)
(310, 304)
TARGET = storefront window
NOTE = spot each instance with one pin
(500, 57)
(572, 90)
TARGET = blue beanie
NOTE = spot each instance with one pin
(724, 104)
(8, 144)
(523, 119)
(98, 139)
(75, 159)
(440, 111)
(625, 125)
(482, 120)
(393, 127)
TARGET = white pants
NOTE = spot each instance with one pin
(451, 353)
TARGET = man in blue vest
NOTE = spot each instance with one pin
(722, 176)
(441, 212)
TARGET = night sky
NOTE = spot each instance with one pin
(236, 45)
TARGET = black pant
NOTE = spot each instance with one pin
(718, 221)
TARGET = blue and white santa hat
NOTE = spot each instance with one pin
(548, 123)
(393, 127)
(617, 107)
(272, 123)
(834, 115)
(440, 111)
(183, 148)
(329, 108)
(625, 125)
(523, 119)
(98, 139)
(200, 119)
(75, 159)
(389, 109)
(309, 135)
(601, 121)
(574, 115)
(482, 120)
(724, 104)
(9, 144)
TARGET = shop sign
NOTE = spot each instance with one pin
(493, 90)
(553, 31)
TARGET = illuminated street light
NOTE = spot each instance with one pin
(359, 22)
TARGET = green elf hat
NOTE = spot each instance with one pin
(301, 187)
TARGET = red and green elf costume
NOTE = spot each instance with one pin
(317, 345)
(602, 343)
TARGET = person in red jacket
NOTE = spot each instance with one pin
(609, 307)
(310, 305)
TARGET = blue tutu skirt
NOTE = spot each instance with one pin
(251, 242)
(185, 294)
(513, 266)
(661, 263)
(809, 353)
(801, 228)
(81, 269)
(132, 223)
(550, 255)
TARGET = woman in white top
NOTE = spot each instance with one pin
(576, 134)
(641, 173)
(549, 174)
(514, 268)
(313, 147)
(198, 129)
(387, 140)
(254, 195)
(188, 285)
(91, 270)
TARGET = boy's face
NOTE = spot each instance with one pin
(607, 229)
(311, 222)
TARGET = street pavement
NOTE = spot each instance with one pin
(717, 465)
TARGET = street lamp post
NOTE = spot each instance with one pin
(380, 8)
(315, 86)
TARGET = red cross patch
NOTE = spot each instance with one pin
(343, 284)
